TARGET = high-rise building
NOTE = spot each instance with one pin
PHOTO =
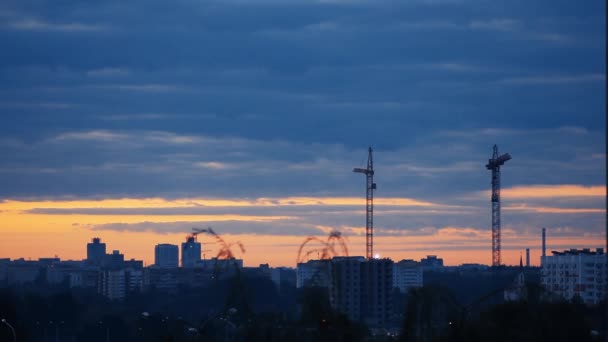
(527, 257)
(22, 271)
(134, 279)
(95, 251)
(283, 277)
(576, 273)
(362, 289)
(347, 290)
(166, 255)
(114, 261)
(116, 284)
(85, 277)
(313, 273)
(407, 274)
(112, 284)
(431, 262)
(165, 280)
(379, 288)
(191, 252)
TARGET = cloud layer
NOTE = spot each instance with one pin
(250, 115)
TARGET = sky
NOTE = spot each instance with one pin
(137, 121)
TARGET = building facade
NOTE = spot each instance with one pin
(191, 252)
(113, 284)
(22, 271)
(576, 273)
(96, 250)
(313, 273)
(117, 284)
(113, 261)
(378, 288)
(407, 274)
(283, 278)
(347, 290)
(362, 289)
(431, 262)
(166, 255)
(219, 265)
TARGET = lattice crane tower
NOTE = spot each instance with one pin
(494, 164)
(369, 214)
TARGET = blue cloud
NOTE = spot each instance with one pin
(273, 98)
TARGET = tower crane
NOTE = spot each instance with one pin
(494, 165)
(369, 205)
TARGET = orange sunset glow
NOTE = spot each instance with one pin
(309, 170)
(29, 231)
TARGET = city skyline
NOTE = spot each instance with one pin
(222, 118)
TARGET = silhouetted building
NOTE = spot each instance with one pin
(407, 274)
(223, 265)
(113, 284)
(44, 262)
(283, 277)
(431, 262)
(114, 261)
(313, 273)
(527, 257)
(576, 273)
(191, 252)
(362, 289)
(23, 271)
(117, 284)
(347, 290)
(134, 264)
(379, 288)
(59, 272)
(197, 277)
(166, 255)
(134, 280)
(161, 279)
(95, 252)
(471, 267)
(4, 264)
(85, 278)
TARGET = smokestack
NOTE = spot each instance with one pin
(527, 257)
(544, 242)
(544, 251)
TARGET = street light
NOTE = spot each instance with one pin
(12, 329)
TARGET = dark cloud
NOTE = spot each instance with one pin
(221, 227)
(444, 166)
(233, 99)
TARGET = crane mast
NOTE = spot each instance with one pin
(369, 204)
(494, 165)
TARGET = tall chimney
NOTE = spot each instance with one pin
(544, 252)
(544, 242)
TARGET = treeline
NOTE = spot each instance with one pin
(433, 314)
(244, 308)
(252, 309)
